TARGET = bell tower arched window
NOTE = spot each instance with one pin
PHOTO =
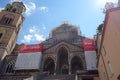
(2, 32)
(1, 35)
(7, 19)
(14, 10)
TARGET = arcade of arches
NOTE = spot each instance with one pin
(49, 65)
(63, 65)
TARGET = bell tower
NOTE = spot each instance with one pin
(11, 19)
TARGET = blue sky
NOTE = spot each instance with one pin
(42, 16)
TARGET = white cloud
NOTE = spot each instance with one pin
(39, 38)
(25, 1)
(30, 7)
(43, 26)
(33, 30)
(15, 1)
(33, 35)
(101, 3)
(27, 38)
(44, 9)
(1, 8)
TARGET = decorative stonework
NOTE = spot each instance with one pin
(71, 49)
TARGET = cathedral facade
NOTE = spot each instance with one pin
(63, 52)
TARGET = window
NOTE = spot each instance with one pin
(2, 32)
(9, 69)
(18, 28)
(14, 10)
(104, 50)
(10, 66)
(12, 45)
(7, 9)
(101, 61)
(104, 76)
(110, 68)
(1, 35)
(118, 77)
(7, 19)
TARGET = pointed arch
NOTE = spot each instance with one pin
(62, 61)
(49, 65)
(76, 64)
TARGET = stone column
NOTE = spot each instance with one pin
(69, 67)
(55, 68)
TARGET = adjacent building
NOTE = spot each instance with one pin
(108, 46)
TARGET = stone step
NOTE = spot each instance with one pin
(12, 77)
(59, 77)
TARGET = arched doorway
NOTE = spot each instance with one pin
(62, 61)
(49, 65)
(76, 64)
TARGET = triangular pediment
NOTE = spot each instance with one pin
(70, 47)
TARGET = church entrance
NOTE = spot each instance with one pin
(64, 69)
(49, 65)
(63, 61)
(76, 65)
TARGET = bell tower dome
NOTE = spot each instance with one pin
(16, 7)
(11, 19)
